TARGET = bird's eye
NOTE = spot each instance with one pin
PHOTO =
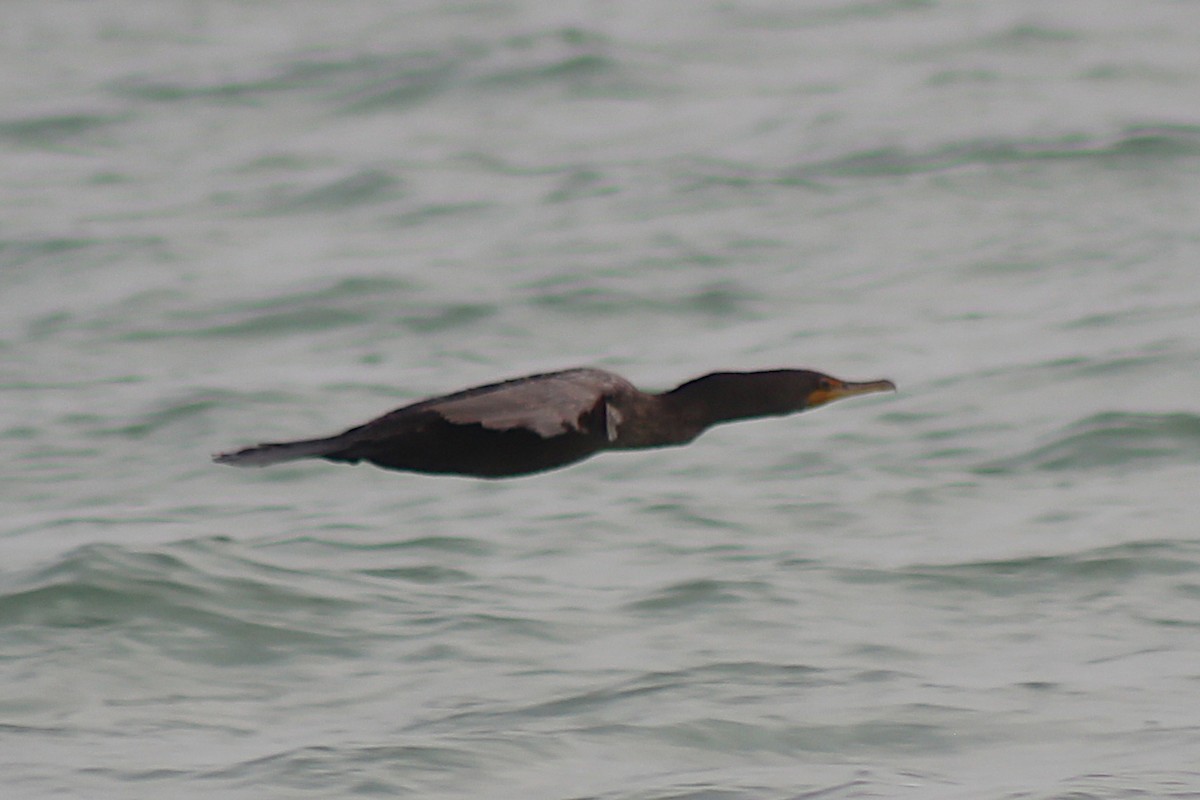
(824, 385)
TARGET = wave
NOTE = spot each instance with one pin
(363, 187)
(1111, 440)
(587, 296)
(419, 72)
(190, 600)
(629, 694)
(353, 770)
(345, 303)
(690, 595)
(373, 81)
(52, 130)
(1103, 567)
(60, 251)
(1136, 142)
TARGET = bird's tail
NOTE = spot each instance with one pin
(268, 453)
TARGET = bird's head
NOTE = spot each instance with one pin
(822, 389)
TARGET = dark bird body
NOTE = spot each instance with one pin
(541, 422)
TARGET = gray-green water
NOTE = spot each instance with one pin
(228, 222)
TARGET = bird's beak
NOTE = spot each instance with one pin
(839, 389)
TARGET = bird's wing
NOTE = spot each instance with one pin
(548, 405)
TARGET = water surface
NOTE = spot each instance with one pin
(231, 223)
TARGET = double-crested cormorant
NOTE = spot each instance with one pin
(541, 422)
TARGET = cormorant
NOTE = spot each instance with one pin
(541, 422)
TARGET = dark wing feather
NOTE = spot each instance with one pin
(549, 405)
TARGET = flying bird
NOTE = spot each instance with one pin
(542, 422)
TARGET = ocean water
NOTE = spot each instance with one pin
(225, 223)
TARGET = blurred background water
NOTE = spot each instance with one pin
(228, 222)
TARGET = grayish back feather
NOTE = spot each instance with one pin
(549, 404)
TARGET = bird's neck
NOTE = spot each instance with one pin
(682, 414)
(727, 397)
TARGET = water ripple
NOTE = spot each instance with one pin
(197, 603)
(1102, 568)
(1140, 143)
(1111, 440)
(690, 595)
